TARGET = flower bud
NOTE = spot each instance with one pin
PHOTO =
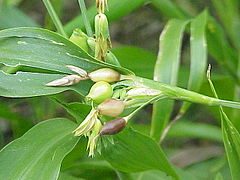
(103, 42)
(79, 38)
(78, 70)
(100, 91)
(105, 74)
(93, 138)
(111, 107)
(65, 81)
(101, 5)
(113, 127)
(142, 92)
(101, 26)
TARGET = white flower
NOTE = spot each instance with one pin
(90, 127)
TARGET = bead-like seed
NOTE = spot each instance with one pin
(105, 74)
(111, 107)
(100, 91)
(113, 127)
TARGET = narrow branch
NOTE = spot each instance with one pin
(54, 17)
(85, 19)
(166, 130)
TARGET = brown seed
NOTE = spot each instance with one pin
(113, 127)
(111, 107)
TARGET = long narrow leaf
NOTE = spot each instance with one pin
(117, 9)
(166, 71)
(198, 55)
(218, 45)
(231, 138)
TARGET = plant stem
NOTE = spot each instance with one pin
(54, 17)
(177, 93)
(85, 19)
(144, 104)
(165, 132)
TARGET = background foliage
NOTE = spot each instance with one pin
(193, 34)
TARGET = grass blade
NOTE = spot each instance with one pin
(85, 18)
(231, 138)
(198, 55)
(168, 8)
(117, 9)
(218, 45)
(166, 71)
(184, 129)
(54, 17)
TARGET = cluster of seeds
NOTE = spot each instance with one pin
(101, 95)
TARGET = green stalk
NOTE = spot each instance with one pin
(54, 17)
(85, 19)
(158, 97)
(177, 93)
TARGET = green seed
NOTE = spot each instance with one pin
(100, 91)
(105, 74)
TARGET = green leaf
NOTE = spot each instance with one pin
(206, 170)
(186, 129)
(13, 2)
(198, 47)
(129, 146)
(231, 139)
(137, 59)
(218, 177)
(19, 124)
(170, 9)
(166, 71)
(220, 49)
(117, 9)
(54, 17)
(218, 45)
(151, 174)
(12, 17)
(44, 49)
(179, 93)
(228, 12)
(78, 110)
(38, 154)
(195, 130)
(66, 176)
(26, 84)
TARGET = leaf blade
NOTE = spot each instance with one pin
(30, 155)
(128, 145)
(198, 55)
(26, 84)
(47, 50)
(166, 71)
